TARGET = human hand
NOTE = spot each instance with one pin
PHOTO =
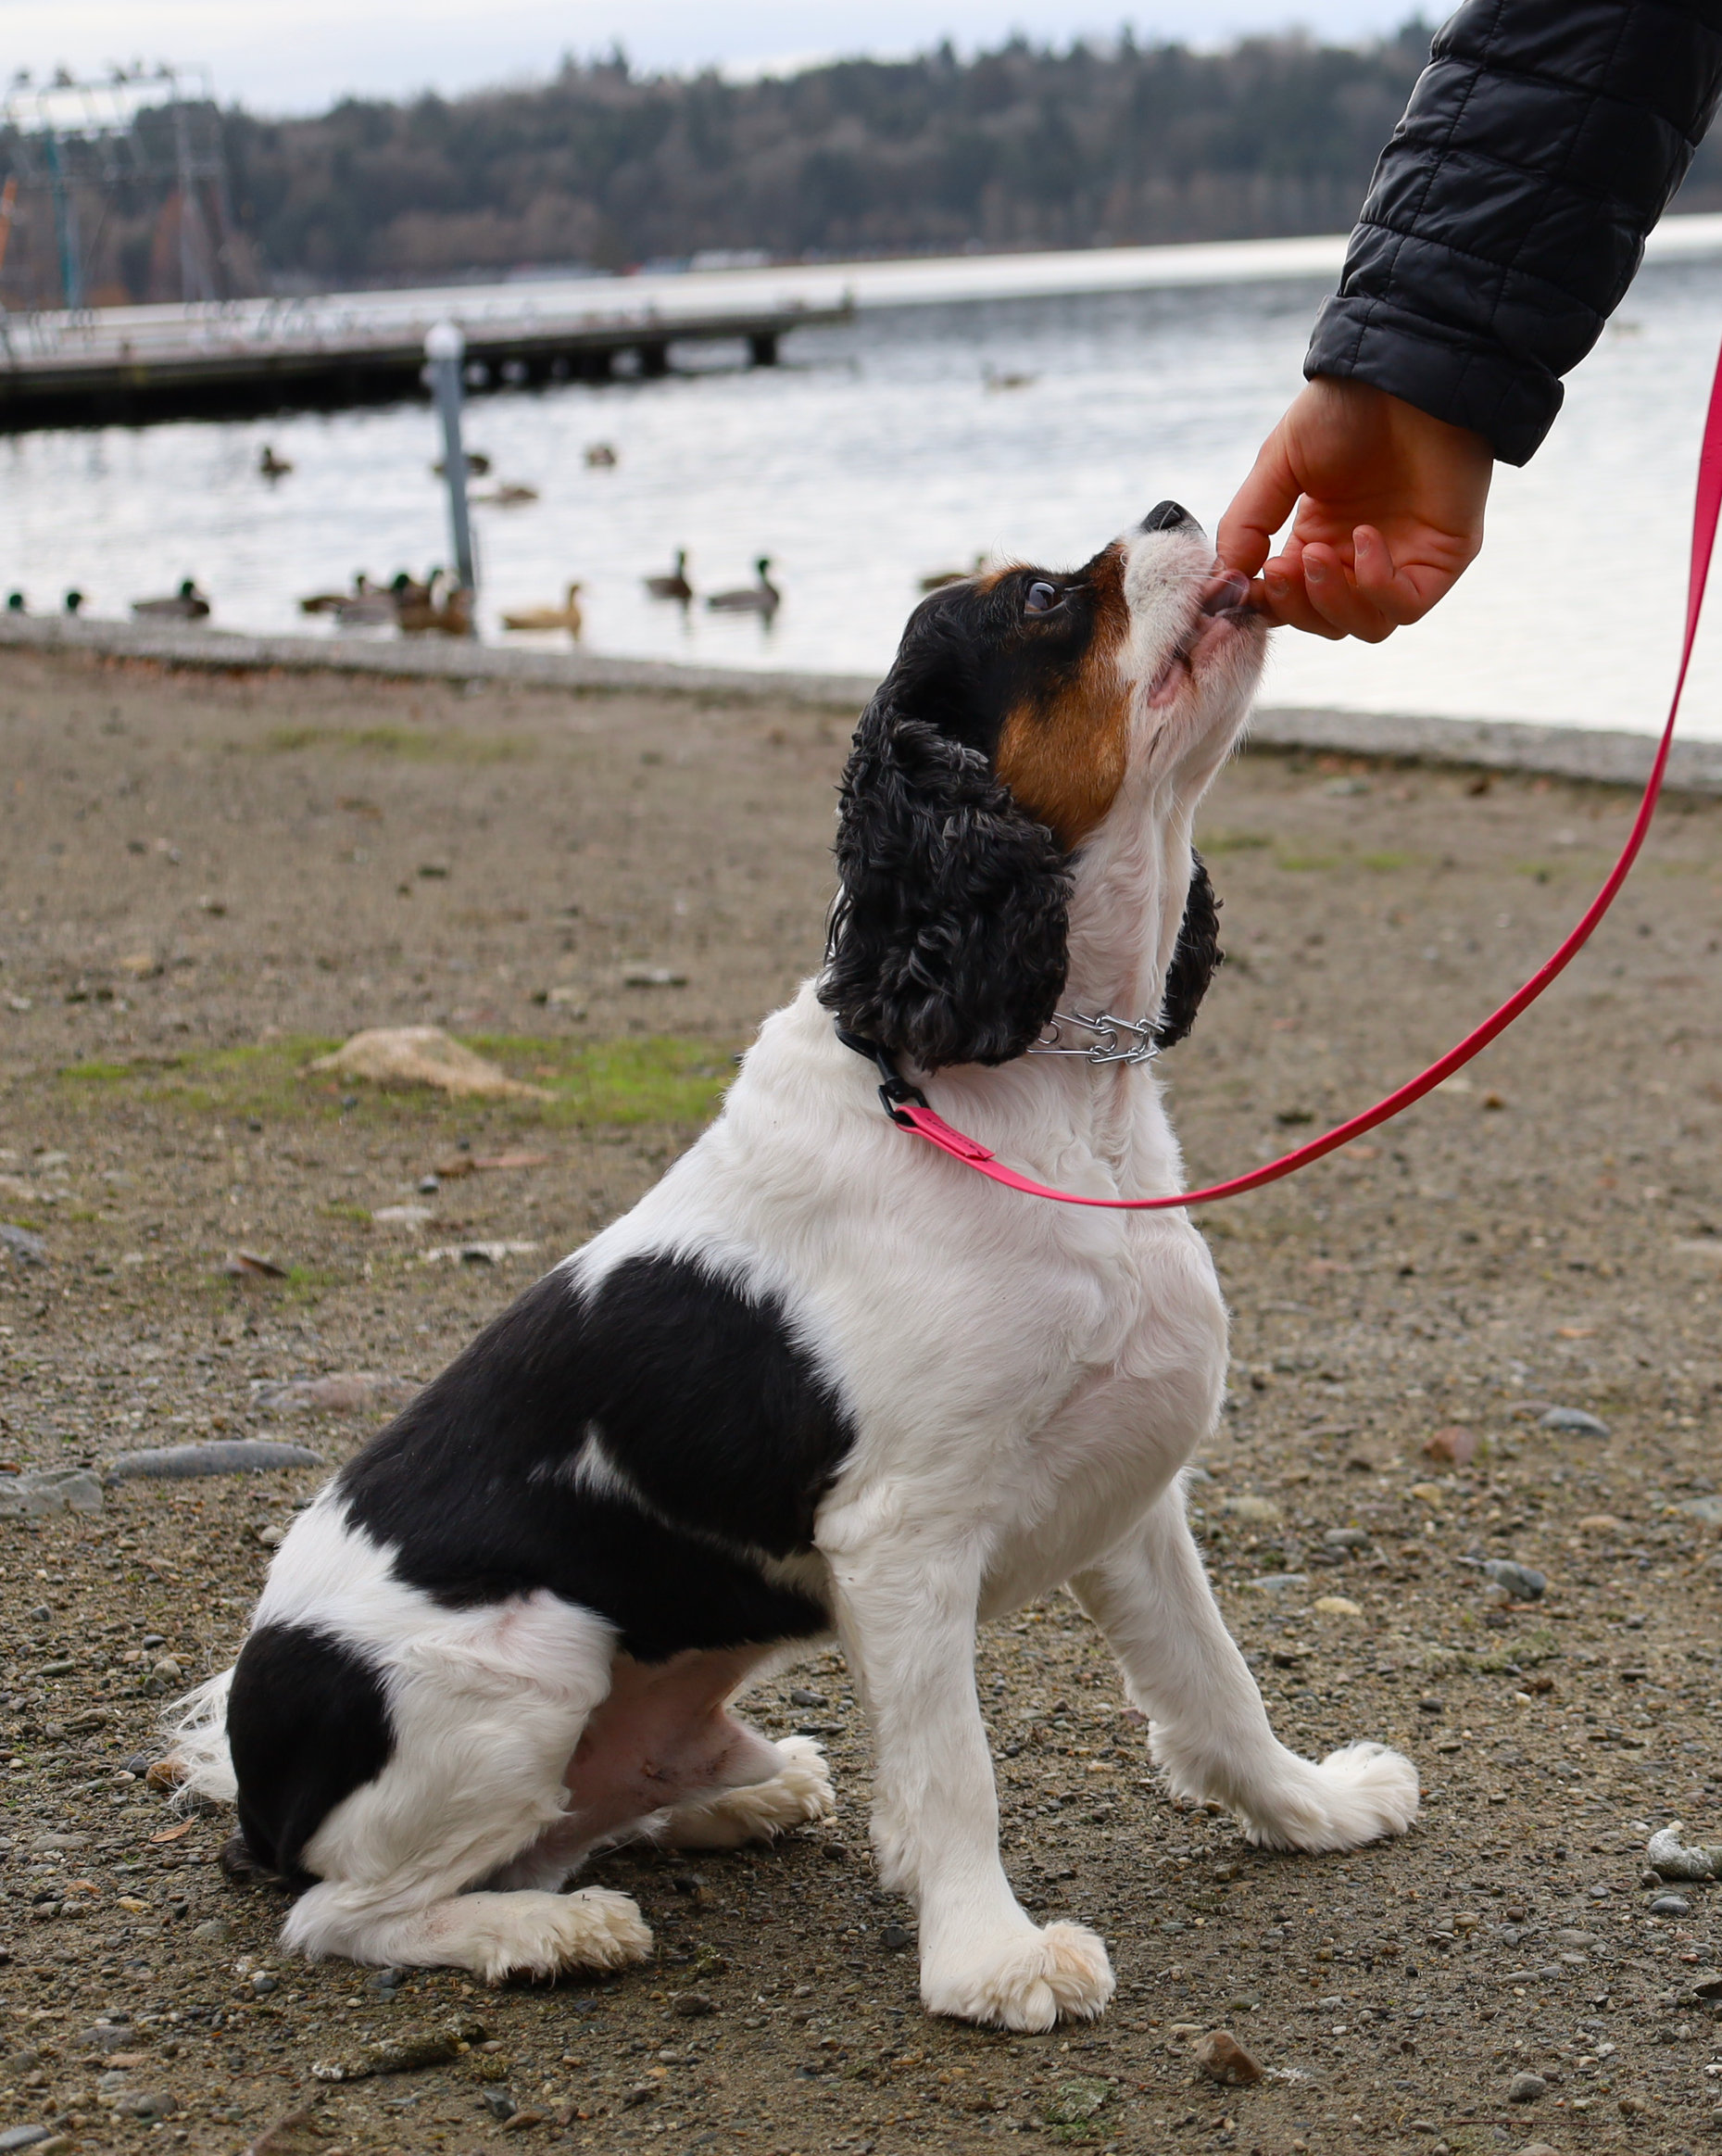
(1389, 512)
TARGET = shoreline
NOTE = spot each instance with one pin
(1603, 757)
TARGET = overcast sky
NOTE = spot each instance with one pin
(297, 56)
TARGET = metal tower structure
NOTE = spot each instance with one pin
(133, 133)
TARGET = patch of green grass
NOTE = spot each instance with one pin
(659, 1079)
(667, 1079)
(414, 744)
(1305, 863)
(336, 1210)
(99, 1074)
(1232, 841)
(1385, 864)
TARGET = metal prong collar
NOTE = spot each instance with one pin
(1115, 1039)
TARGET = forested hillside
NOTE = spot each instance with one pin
(1019, 148)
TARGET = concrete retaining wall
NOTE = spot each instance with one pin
(1579, 752)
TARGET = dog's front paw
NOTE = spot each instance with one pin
(1358, 1793)
(541, 1934)
(1025, 1982)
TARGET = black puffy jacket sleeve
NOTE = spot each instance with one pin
(1507, 215)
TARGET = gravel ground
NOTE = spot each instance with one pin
(201, 880)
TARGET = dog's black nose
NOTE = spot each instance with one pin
(1166, 516)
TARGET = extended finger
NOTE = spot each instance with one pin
(1259, 509)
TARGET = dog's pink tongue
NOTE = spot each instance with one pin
(1227, 592)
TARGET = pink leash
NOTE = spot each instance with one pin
(909, 1110)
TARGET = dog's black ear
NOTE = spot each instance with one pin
(949, 935)
(1196, 959)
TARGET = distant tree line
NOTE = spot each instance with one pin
(1024, 146)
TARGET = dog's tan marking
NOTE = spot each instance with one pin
(1062, 749)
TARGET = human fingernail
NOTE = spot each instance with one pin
(1314, 571)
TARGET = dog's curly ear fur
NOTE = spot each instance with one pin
(948, 937)
(1195, 960)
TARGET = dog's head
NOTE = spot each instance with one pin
(1019, 705)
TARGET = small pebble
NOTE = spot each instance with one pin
(1574, 1420)
(1670, 1905)
(232, 1455)
(1526, 2088)
(40, 1492)
(1518, 1583)
(147, 2104)
(1670, 1859)
(894, 1938)
(1221, 2058)
(499, 2103)
(692, 2006)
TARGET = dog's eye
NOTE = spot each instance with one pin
(1041, 597)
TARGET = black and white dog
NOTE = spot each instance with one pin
(824, 1381)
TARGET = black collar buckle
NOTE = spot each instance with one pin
(896, 1090)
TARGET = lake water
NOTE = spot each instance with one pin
(878, 452)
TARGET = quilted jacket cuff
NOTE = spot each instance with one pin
(1467, 385)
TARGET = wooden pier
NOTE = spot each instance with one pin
(127, 366)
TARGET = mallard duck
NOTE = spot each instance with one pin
(449, 617)
(15, 603)
(270, 466)
(511, 494)
(762, 597)
(188, 604)
(566, 616)
(328, 602)
(936, 579)
(405, 592)
(477, 463)
(73, 601)
(364, 605)
(601, 457)
(996, 380)
(676, 586)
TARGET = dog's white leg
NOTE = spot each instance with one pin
(495, 1935)
(907, 1617)
(1208, 1729)
(800, 1791)
(484, 1717)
